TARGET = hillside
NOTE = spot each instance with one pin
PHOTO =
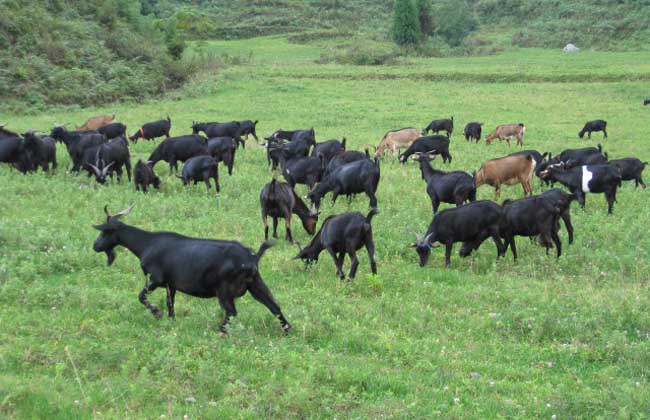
(82, 53)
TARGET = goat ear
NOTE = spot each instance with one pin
(413, 245)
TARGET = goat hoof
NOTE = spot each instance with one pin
(286, 328)
(156, 312)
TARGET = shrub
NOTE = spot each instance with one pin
(367, 54)
(454, 21)
(406, 25)
(424, 16)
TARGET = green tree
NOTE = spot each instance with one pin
(406, 26)
(175, 40)
(424, 15)
(454, 21)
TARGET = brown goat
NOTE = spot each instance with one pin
(507, 132)
(397, 139)
(509, 170)
(97, 122)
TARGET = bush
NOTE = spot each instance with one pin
(367, 54)
(454, 21)
(424, 16)
(406, 25)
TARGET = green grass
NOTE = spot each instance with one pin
(567, 337)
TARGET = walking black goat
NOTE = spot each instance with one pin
(199, 267)
(340, 235)
(455, 187)
(361, 176)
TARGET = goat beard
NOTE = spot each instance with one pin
(110, 256)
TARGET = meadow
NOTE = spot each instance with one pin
(542, 337)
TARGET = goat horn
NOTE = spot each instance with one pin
(426, 238)
(108, 214)
(106, 168)
(124, 212)
(417, 237)
(95, 169)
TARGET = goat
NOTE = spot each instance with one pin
(113, 155)
(152, 130)
(201, 168)
(361, 176)
(199, 267)
(96, 122)
(432, 145)
(214, 129)
(437, 126)
(596, 125)
(603, 178)
(630, 169)
(455, 187)
(143, 176)
(279, 200)
(470, 223)
(223, 149)
(396, 140)
(179, 148)
(328, 149)
(342, 234)
(473, 131)
(507, 132)
(508, 170)
(343, 158)
(76, 142)
(113, 130)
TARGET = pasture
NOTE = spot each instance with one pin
(483, 339)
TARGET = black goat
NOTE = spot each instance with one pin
(113, 130)
(143, 176)
(361, 176)
(603, 178)
(247, 127)
(199, 267)
(15, 151)
(455, 187)
(471, 223)
(279, 200)
(43, 150)
(473, 131)
(176, 149)
(328, 149)
(215, 129)
(104, 159)
(431, 145)
(631, 169)
(591, 126)
(340, 235)
(437, 126)
(343, 158)
(223, 149)
(77, 142)
(201, 168)
(152, 130)
(646, 102)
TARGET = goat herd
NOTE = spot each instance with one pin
(227, 269)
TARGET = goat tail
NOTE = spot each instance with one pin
(169, 119)
(260, 252)
(373, 211)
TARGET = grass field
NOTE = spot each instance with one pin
(483, 339)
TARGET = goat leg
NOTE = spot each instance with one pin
(228, 305)
(262, 294)
(143, 299)
(171, 294)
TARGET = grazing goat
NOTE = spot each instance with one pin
(509, 170)
(143, 176)
(646, 102)
(396, 140)
(176, 149)
(302, 170)
(96, 122)
(631, 169)
(584, 179)
(199, 267)
(455, 187)
(473, 131)
(596, 125)
(279, 200)
(361, 176)
(152, 130)
(437, 126)
(113, 130)
(328, 149)
(215, 129)
(431, 145)
(343, 158)
(507, 132)
(223, 149)
(201, 168)
(340, 235)
(470, 223)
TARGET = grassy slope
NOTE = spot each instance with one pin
(566, 337)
